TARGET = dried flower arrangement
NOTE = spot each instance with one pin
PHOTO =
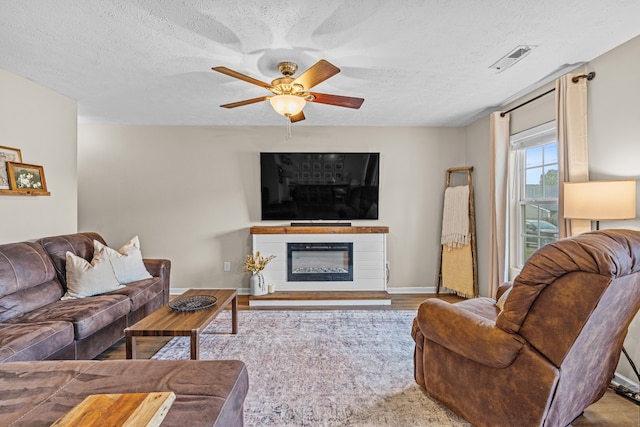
(257, 262)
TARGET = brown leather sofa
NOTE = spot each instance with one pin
(36, 325)
(551, 352)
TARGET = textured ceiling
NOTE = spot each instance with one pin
(416, 62)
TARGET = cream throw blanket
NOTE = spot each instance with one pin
(455, 217)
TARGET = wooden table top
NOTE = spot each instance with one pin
(131, 409)
(168, 322)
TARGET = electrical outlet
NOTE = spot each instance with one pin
(227, 266)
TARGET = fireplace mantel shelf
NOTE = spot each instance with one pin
(317, 230)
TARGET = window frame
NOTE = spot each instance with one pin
(538, 136)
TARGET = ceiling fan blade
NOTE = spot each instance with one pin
(340, 101)
(237, 75)
(245, 102)
(319, 72)
(297, 118)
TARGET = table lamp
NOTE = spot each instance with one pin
(600, 200)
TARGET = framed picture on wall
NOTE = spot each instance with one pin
(7, 154)
(26, 177)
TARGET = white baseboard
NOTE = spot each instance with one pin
(627, 382)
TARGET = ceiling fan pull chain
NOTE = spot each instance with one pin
(288, 137)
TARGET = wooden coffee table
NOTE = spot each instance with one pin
(166, 322)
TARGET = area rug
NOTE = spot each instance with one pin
(323, 368)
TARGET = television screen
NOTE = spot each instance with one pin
(314, 186)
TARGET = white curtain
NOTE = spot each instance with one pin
(499, 128)
(573, 164)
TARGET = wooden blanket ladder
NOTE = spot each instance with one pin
(472, 228)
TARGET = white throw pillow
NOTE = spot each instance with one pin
(503, 299)
(126, 262)
(85, 279)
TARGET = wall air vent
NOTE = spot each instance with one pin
(511, 58)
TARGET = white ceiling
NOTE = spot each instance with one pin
(416, 62)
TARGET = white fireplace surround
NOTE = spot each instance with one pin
(369, 256)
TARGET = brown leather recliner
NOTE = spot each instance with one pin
(552, 350)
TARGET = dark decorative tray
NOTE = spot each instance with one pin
(193, 302)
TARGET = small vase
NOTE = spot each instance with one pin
(257, 284)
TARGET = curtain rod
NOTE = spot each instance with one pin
(590, 76)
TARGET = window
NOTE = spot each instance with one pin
(535, 191)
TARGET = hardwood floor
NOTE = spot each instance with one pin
(610, 411)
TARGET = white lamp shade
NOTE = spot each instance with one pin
(287, 105)
(600, 200)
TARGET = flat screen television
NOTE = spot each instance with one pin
(319, 186)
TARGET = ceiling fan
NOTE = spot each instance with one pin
(290, 94)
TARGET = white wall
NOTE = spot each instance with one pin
(614, 147)
(478, 156)
(614, 143)
(191, 193)
(43, 125)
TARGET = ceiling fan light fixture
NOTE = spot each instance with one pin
(287, 105)
(290, 94)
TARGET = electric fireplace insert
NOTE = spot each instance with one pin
(320, 262)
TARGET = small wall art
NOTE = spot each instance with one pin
(26, 177)
(7, 154)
